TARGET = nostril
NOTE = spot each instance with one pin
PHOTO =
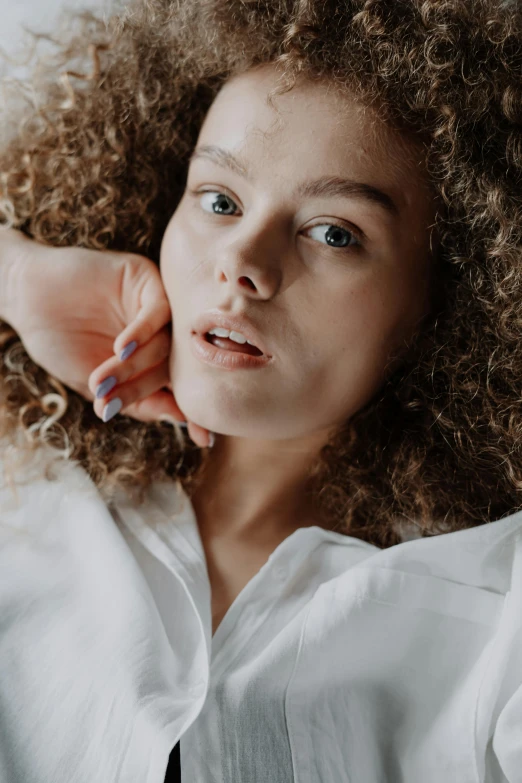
(248, 282)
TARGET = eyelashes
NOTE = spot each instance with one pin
(336, 232)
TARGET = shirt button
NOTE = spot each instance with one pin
(280, 574)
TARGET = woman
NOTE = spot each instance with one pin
(335, 184)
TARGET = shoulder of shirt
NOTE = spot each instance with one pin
(36, 478)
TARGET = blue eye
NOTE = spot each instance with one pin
(336, 236)
(221, 203)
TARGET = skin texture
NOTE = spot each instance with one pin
(330, 316)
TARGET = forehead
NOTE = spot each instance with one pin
(317, 127)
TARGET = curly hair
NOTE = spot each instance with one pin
(100, 161)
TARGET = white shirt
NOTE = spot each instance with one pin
(337, 663)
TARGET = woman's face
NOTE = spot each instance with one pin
(333, 275)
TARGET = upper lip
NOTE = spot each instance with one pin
(235, 323)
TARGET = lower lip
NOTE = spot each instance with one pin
(227, 360)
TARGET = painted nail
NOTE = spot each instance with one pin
(128, 350)
(111, 409)
(172, 420)
(212, 440)
(106, 386)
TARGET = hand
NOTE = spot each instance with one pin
(76, 308)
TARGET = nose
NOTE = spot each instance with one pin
(251, 264)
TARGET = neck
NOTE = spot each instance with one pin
(255, 491)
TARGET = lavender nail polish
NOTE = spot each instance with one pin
(128, 350)
(111, 409)
(106, 386)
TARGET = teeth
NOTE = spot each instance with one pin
(237, 337)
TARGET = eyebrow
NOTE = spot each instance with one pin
(330, 187)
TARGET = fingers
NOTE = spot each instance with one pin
(139, 387)
(140, 398)
(134, 386)
(199, 435)
(145, 357)
(154, 408)
(154, 314)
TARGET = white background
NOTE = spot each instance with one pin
(40, 15)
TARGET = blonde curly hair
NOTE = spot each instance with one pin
(99, 159)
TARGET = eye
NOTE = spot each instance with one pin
(336, 236)
(218, 203)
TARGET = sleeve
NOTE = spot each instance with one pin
(507, 740)
(506, 743)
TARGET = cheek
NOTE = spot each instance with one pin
(166, 251)
(178, 253)
(376, 316)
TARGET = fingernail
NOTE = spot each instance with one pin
(128, 350)
(212, 440)
(106, 386)
(172, 420)
(111, 409)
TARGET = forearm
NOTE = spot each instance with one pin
(12, 251)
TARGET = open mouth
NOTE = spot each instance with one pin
(230, 345)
